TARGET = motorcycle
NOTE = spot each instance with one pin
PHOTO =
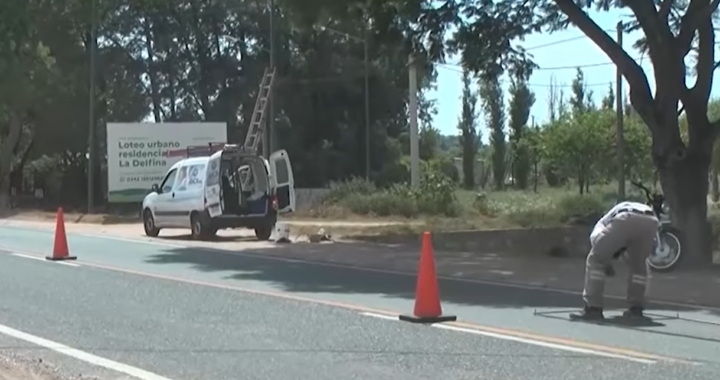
(667, 249)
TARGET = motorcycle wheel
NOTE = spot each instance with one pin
(667, 254)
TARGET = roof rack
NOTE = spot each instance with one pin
(239, 150)
(203, 150)
(211, 148)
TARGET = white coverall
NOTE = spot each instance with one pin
(629, 225)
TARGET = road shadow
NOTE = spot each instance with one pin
(285, 274)
(313, 277)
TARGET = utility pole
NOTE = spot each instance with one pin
(268, 135)
(536, 174)
(367, 104)
(91, 111)
(620, 121)
(414, 138)
(270, 132)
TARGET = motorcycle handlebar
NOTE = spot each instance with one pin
(655, 200)
(640, 186)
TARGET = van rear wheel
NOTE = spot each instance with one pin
(263, 233)
(201, 228)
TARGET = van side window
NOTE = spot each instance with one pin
(190, 177)
(167, 184)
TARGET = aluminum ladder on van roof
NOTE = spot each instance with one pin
(256, 128)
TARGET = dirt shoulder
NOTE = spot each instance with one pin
(16, 368)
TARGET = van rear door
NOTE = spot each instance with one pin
(212, 186)
(283, 181)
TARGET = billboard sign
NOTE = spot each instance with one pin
(139, 154)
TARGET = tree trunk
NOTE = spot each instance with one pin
(468, 163)
(7, 147)
(685, 184)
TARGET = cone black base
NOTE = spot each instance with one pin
(62, 258)
(438, 319)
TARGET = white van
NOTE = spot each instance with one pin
(217, 188)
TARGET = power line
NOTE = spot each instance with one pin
(560, 42)
(574, 67)
(568, 67)
(536, 84)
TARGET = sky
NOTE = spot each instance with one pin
(558, 54)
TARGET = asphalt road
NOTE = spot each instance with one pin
(192, 313)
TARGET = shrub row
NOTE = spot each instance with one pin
(437, 196)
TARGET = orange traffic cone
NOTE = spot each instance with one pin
(427, 295)
(60, 248)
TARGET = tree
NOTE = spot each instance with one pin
(553, 99)
(25, 72)
(577, 145)
(493, 104)
(428, 142)
(521, 101)
(201, 61)
(579, 98)
(608, 101)
(714, 114)
(469, 134)
(533, 140)
(562, 105)
(672, 30)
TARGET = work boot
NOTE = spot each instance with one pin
(634, 312)
(589, 313)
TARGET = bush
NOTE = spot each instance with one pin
(380, 204)
(436, 196)
(349, 188)
(538, 217)
(481, 204)
(526, 209)
(583, 209)
(444, 165)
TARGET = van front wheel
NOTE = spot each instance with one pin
(201, 228)
(149, 224)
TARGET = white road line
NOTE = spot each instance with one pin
(28, 256)
(81, 355)
(545, 344)
(381, 316)
(38, 258)
(68, 264)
